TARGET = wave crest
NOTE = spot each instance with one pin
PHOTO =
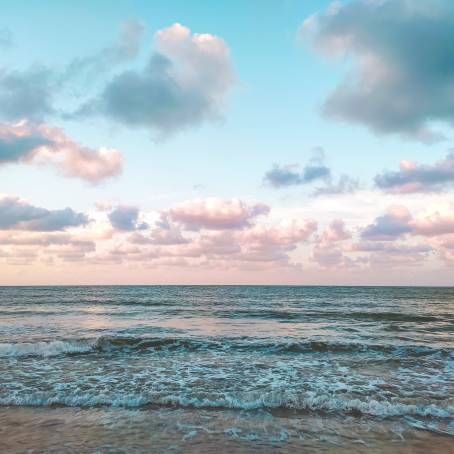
(251, 401)
(113, 344)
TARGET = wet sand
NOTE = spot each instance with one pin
(107, 430)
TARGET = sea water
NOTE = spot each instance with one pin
(226, 369)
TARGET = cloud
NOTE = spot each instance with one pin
(397, 222)
(390, 248)
(229, 235)
(250, 245)
(216, 214)
(160, 237)
(315, 170)
(447, 241)
(272, 244)
(401, 53)
(444, 245)
(184, 84)
(290, 175)
(15, 148)
(30, 94)
(253, 244)
(36, 239)
(126, 218)
(88, 164)
(44, 145)
(20, 215)
(390, 255)
(392, 225)
(215, 245)
(335, 232)
(125, 49)
(326, 251)
(288, 233)
(329, 257)
(164, 234)
(344, 185)
(25, 247)
(414, 177)
(434, 225)
(26, 94)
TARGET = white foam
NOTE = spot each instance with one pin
(45, 349)
(308, 402)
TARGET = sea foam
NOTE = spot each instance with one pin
(317, 403)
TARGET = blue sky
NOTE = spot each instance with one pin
(271, 114)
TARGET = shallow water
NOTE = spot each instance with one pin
(230, 369)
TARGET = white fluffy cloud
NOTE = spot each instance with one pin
(216, 214)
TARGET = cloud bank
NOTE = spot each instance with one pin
(226, 236)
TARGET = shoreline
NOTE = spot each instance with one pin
(105, 430)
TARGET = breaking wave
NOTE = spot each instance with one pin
(251, 401)
(114, 344)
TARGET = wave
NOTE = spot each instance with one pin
(325, 314)
(112, 344)
(45, 349)
(235, 313)
(250, 401)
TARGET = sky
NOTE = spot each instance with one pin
(202, 142)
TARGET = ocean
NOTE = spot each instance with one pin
(212, 369)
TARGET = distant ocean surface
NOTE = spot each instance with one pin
(134, 369)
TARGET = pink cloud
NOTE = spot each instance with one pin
(326, 252)
(204, 64)
(160, 236)
(216, 214)
(45, 145)
(335, 231)
(390, 226)
(288, 233)
(434, 225)
(215, 244)
(414, 177)
(250, 244)
(446, 241)
(228, 236)
(328, 257)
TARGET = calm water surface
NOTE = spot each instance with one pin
(226, 369)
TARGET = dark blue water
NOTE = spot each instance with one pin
(355, 357)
